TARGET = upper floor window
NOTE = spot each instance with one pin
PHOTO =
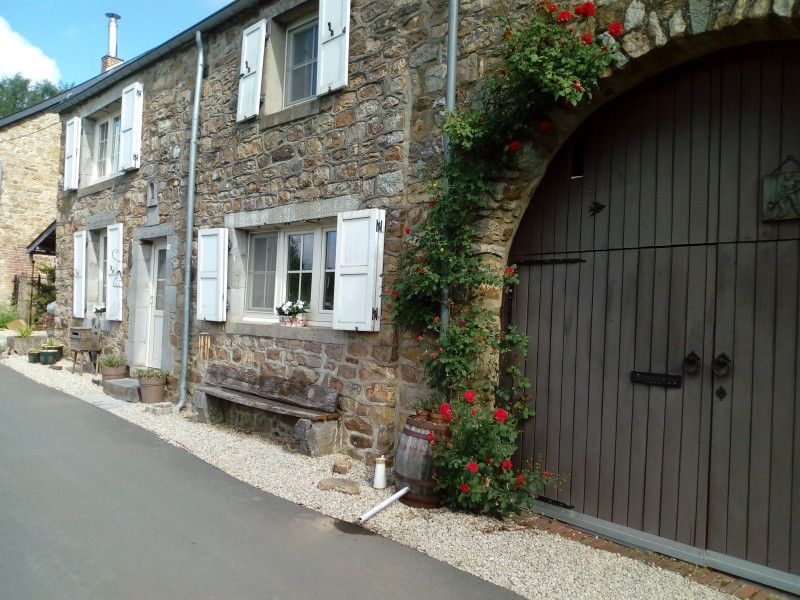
(106, 152)
(307, 55)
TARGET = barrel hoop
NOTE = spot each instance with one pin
(416, 434)
(412, 481)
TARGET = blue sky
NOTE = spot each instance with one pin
(64, 41)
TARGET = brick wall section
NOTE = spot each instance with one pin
(370, 141)
(29, 151)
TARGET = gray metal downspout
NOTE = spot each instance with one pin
(450, 103)
(187, 275)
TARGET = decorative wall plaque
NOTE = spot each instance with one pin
(780, 194)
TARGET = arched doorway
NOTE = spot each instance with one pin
(663, 311)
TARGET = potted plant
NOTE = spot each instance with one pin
(151, 384)
(113, 366)
(293, 314)
(33, 355)
(48, 356)
(52, 345)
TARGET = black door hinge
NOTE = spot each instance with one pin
(379, 226)
(375, 314)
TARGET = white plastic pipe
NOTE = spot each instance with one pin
(379, 507)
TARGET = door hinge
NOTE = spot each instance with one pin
(379, 226)
(375, 314)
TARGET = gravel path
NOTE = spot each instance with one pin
(533, 563)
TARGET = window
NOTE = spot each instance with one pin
(106, 153)
(295, 263)
(301, 63)
(106, 142)
(97, 271)
(307, 54)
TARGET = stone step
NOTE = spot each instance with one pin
(123, 389)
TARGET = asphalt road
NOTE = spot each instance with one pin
(93, 507)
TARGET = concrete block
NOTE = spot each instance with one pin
(161, 408)
(123, 389)
(318, 438)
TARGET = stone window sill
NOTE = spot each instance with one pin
(274, 330)
(298, 111)
(99, 186)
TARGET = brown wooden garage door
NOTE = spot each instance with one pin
(644, 247)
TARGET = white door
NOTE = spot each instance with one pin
(157, 286)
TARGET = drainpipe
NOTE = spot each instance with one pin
(450, 103)
(187, 274)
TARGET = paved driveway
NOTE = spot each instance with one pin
(92, 506)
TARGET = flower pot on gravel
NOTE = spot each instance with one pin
(113, 366)
(33, 356)
(48, 356)
(111, 373)
(151, 384)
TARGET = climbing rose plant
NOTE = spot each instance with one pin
(544, 62)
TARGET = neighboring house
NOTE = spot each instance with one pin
(315, 121)
(29, 171)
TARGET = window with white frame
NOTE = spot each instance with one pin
(294, 263)
(106, 142)
(307, 54)
(334, 265)
(97, 271)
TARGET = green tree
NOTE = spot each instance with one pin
(18, 93)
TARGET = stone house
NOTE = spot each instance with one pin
(29, 171)
(314, 122)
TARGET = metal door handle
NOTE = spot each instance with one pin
(721, 365)
(691, 364)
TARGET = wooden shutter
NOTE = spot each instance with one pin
(334, 45)
(130, 143)
(72, 154)
(212, 274)
(359, 262)
(250, 70)
(79, 274)
(114, 275)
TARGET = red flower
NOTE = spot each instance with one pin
(395, 294)
(464, 488)
(435, 319)
(472, 467)
(585, 10)
(552, 7)
(462, 324)
(564, 15)
(473, 413)
(509, 272)
(444, 408)
(521, 479)
(615, 29)
(432, 202)
(515, 145)
(430, 436)
(419, 338)
(577, 85)
(488, 460)
(408, 230)
(469, 395)
(544, 126)
(586, 38)
(433, 355)
(506, 465)
(546, 473)
(500, 414)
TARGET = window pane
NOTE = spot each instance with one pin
(308, 251)
(295, 251)
(293, 286)
(301, 63)
(261, 272)
(161, 275)
(303, 82)
(102, 149)
(327, 292)
(304, 45)
(330, 250)
(115, 135)
(305, 288)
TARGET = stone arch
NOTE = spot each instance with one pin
(658, 36)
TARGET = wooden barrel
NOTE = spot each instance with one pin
(413, 463)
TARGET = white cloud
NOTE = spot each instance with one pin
(18, 55)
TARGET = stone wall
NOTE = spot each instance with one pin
(368, 141)
(29, 154)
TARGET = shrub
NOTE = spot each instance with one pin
(25, 331)
(8, 314)
(113, 360)
(149, 373)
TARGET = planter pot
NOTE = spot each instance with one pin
(33, 357)
(413, 463)
(48, 357)
(111, 373)
(152, 389)
(295, 321)
(59, 351)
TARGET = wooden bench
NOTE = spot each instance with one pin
(314, 406)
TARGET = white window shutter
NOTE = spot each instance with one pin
(359, 263)
(130, 142)
(334, 45)
(72, 154)
(114, 275)
(250, 70)
(212, 274)
(79, 274)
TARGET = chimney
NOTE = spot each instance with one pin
(110, 60)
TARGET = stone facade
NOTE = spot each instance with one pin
(29, 154)
(362, 146)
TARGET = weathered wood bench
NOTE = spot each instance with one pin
(314, 406)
